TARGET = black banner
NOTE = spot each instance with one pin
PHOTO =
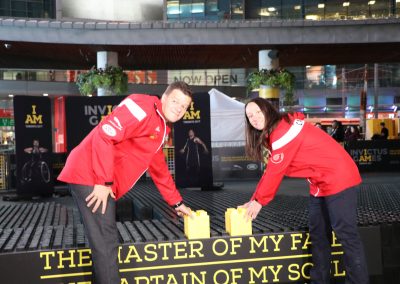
(33, 138)
(230, 163)
(272, 258)
(375, 155)
(84, 113)
(192, 137)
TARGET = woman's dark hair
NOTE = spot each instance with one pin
(259, 140)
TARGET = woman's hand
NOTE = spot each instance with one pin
(99, 196)
(253, 208)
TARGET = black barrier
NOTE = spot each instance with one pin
(231, 163)
(48, 241)
(375, 155)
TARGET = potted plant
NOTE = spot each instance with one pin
(111, 78)
(275, 78)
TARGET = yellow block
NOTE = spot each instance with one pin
(235, 222)
(197, 226)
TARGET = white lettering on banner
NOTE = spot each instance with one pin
(134, 109)
(208, 77)
(208, 80)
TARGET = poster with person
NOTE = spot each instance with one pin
(192, 139)
(33, 145)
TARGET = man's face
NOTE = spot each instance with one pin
(175, 105)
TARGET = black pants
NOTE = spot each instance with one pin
(337, 212)
(101, 231)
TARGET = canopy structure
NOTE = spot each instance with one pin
(227, 120)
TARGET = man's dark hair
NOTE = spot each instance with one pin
(179, 85)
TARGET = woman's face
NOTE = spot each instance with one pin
(255, 116)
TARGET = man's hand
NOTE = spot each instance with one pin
(99, 197)
(183, 210)
(253, 208)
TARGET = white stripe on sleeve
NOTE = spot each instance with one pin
(293, 131)
(134, 109)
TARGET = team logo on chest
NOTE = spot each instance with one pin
(156, 133)
(277, 158)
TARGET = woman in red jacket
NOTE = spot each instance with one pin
(112, 157)
(296, 148)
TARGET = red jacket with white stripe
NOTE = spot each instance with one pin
(302, 150)
(122, 147)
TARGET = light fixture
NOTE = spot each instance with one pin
(320, 6)
(372, 2)
(10, 95)
(347, 108)
(271, 9)
(45, 95)
(346, 4)
(312, 17)
(298, 7)
(7, 45)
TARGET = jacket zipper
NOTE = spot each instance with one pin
(162, 142)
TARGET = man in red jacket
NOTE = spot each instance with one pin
(296, 148)
(110, 160)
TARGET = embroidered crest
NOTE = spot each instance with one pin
(109, 130)
(277, 158)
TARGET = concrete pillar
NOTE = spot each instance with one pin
(268, 59)
(104, 59)
(59, 14)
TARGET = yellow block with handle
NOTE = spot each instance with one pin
(236, 223)
(197, 225)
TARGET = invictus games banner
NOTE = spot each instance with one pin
(375, 155)
(33, 138)
(192, 137)
(84, 113)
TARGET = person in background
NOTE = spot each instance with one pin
(351, 134)
(296, 148)
(192, 155)
(384, 131)
(110, 160)
(318, 124)
(337, 132)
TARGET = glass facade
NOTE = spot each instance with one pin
(319, 90)
(178, 10)
(28, 8)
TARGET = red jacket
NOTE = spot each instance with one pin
(305, 151)
(122, 147)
